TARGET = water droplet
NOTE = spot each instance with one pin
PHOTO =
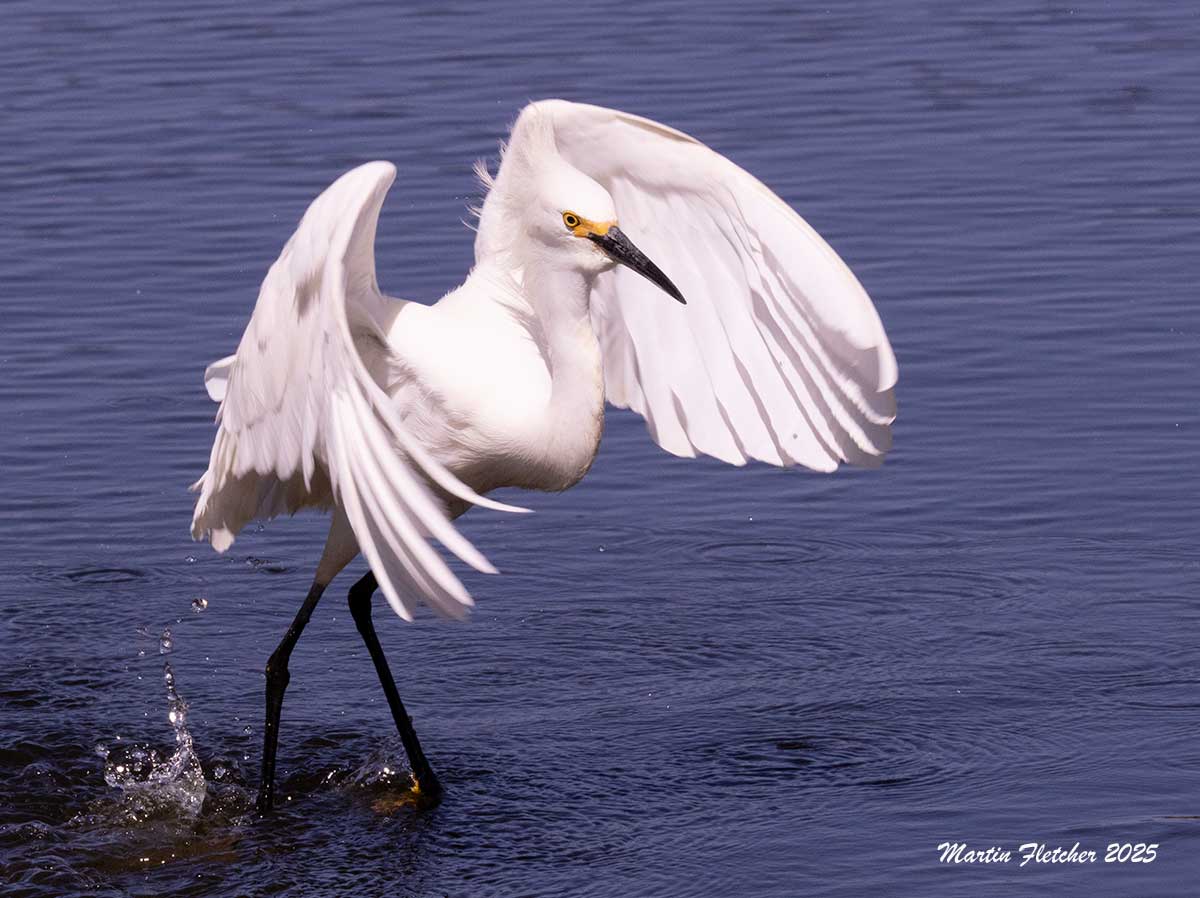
(247, 730)
(602, 548)
(750, 518)
(151, 782)
(165, 642)
(191, 559)
(101, 749)
(129, 765)
(199, 604)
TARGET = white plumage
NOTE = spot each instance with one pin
(399, 416)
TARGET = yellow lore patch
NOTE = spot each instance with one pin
(585, 227)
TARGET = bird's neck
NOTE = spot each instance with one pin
(559, 300)
(552, 305)
(575, 418)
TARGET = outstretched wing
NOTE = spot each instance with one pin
(779, 354)
(303, 420)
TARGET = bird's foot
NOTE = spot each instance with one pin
(424, 794)
(427, 790)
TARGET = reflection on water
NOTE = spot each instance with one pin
(691, 679)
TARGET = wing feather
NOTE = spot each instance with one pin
(304, 420)
(779, 355)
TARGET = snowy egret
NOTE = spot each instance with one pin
(398, 417)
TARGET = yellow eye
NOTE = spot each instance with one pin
(571, 220)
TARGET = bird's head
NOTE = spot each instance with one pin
(575, 215)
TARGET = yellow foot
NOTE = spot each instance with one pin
(412, 797)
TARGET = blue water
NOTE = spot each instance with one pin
(692, 679)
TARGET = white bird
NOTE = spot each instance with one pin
(398, 417)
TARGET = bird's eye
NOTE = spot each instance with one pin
(571, 220)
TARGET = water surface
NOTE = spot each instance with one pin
(692, 680)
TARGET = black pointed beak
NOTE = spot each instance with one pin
(620, 249)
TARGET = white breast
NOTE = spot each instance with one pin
(481, 396)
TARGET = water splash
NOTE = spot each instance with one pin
(199, 604)
(153, 783)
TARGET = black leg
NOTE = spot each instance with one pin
(277, 681)
(426, 782)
